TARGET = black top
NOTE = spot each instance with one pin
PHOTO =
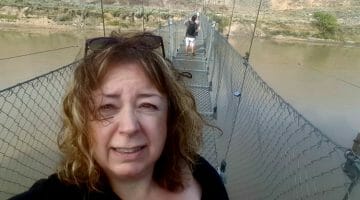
(53, 189)
(191, 29)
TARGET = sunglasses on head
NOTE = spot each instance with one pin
(147, 41)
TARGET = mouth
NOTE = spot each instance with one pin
(129, 150)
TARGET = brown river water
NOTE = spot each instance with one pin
(321, 81)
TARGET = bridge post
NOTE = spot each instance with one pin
(352, 165)
(209, 50)
(356, 146)
(171, 39)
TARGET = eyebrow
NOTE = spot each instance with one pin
(141, 95)
(145, 95)
(111, 96)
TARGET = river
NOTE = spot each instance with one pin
(24, 55)
(321, 81)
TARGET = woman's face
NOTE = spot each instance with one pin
(131, 136)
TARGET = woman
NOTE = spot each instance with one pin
(131, 129)
(192, 28)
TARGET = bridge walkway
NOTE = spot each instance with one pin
(199, 86)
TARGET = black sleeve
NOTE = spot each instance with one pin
(211, 183)
(50, 188)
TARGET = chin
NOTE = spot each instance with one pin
(132, 171)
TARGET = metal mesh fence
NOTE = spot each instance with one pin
(29, 125)
(272, 152)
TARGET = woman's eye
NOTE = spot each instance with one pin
(106, 107)
(148, 106)
(107, 111)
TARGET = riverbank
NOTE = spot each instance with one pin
(39, 25)
(45, 27)
(283, 26)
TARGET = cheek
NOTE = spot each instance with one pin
(155, 128)
(100, 129)
(98, 143)
(162, 129)
(97, 136)
(93, 140)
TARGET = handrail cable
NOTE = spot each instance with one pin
(29, 54)
(253, 33)
(237, 111)
(102, 15)
(38, 77)
(143, 13)
(242, 83)
(337, 78)
(231, 17)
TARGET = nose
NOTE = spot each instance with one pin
(128, 122)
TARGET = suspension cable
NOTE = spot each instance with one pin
(349, 83)
(231, 18)
(239, 95)
(102, 14)
(143, 13)
(244, 76)
(253, 34)
(39, 52)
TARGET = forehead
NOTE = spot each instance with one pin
(157, 75)
(125, 71)
(131, 74)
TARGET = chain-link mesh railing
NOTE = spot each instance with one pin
(29, 125)
(271, 151)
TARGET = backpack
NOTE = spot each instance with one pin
(191, 30)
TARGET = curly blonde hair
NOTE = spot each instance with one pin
(184, 123)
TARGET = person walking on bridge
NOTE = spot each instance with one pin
(191, 33)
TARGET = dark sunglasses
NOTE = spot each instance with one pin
(146, 42)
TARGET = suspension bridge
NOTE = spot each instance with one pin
(266, 149)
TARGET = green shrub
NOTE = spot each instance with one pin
(139, 14)
(327, 24)
(64, 17)
(119, 12)
(147, 14)
(164, 15)
(113, 23)
(116, 13)
(8, 17)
